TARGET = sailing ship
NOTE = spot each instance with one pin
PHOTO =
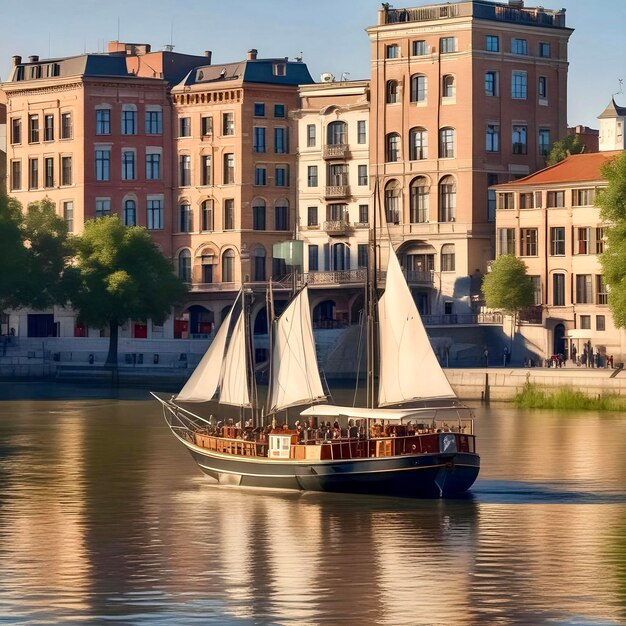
(415, 440)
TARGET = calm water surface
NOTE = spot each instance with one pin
(104, 518)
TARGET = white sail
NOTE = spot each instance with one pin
(295, 378)
(203, 383)
(409, 369)
(234, 378)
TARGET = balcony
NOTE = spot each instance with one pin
(336, 151)
(415, 277)
(337, 227)
(335, 279)
(469, 319)
(337, 191)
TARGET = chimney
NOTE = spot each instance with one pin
(208, 54)
(252, 54)
(17, 60)
(33, 59)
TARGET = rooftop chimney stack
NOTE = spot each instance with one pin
(208, 54)
(33, 58)
(17, 60)
(252, 54)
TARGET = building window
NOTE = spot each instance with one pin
(583, 197)
(313, 258)
(48, 128)
(259, 109)
(66, 170)
(103, 164)
(103, 121)
(228, 123)
(602, 296)
(258, 141)
(337, 133)
(448, 86)
(184, 218)
(419, 201)
(585, 322)
(206, 125)
(536, 281)
(129, 120)
(154, 122)
(153, 166)
(279, 110)
(392, 51)
(599, 240)
(48, 166)
(279, 69)
(130, 213)
(446, 143)
(184, 266)
(447, 258)
(154, 214)
(33, 129)
(260, 175)
(229, 168)
(310, 135)
(419, 48)
(16, 131)
(447, 45)
(600, 322)
(33, 173)
(393, 193)
(229, 214)
(68, 215)
(393, 148)
(393, 93)
(281, 216)
(281, 140)
(491, 83)
(447, 199)
(583, 240)
(506, 200)
(206, 209)
(555, 199)
(206, 164)
(66, 125)
(362, 256)
(506, 241)
(544, 49)
(493, 138)
(542, 87)
(184, 169)
(103, 207)
(418, 144)
(492, 43)
(583, 289)
(311, 216)
(492, 179)
(16, 175)
(520, 140)
(281, 176)
(519, 46)
(184, 127)
(362, 176)
(258, 215)
(361, 132)
(259, 264)
(337, 213)
(419, 88)
(128, 165)
(528, 242)
(519, 85)
(363, 213)
(526, 200)
(312, 176)
(228, 267)
(544, 142)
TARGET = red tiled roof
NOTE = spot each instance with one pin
(577, 168)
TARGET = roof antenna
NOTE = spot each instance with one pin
(621, 86)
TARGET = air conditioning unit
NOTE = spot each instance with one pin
(327, 77)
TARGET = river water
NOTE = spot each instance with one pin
(104, 518)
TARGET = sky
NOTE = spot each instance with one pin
(329, 34)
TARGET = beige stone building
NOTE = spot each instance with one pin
(3, 144)
(464, 95)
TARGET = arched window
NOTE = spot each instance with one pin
(130, 213)
(258, 214)
(281, 215)
(340, 257)
(447, 258)
(418, 144)
(419, 88)
(446, 143)
(228, 266)
(259, 263)
(184, 266)
(448, 86)
(393, 148)
(207, 215)
(337, 133)
(392, 202)
(447, 199)
(420, 191)
(393, 92)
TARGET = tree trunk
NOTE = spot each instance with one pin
(114, 332)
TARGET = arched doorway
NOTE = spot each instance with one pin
(324, 314)
(559, 340)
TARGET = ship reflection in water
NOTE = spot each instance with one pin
(103, 517)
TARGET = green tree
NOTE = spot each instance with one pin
(612, 203)
(571, 144)
(13, 254)
(121, 274)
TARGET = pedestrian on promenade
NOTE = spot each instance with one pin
(506, 356)
(486, 356)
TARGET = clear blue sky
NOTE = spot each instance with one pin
(329, 33)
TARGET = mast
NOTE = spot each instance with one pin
(371, 299)
(269, 306)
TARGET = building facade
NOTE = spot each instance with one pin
(464, 95)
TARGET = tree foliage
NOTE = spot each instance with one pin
(508, 286)
(612, 203)
(571, 144)
(12, 254)
(121, 274)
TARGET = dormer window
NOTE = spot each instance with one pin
(279, 69)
